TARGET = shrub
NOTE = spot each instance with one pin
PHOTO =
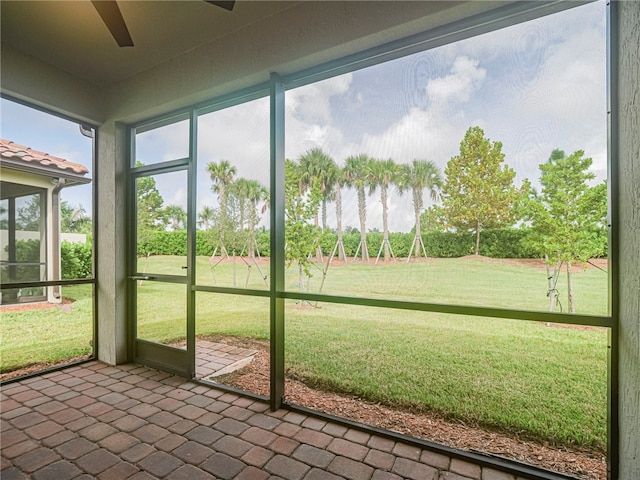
(76, 260)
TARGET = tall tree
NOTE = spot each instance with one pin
(256, 193)
(149, 211)
(479, 191)
(568, 216)
(222, 174)
(175, 217)
(29, 215)
(74, 220)
(382, 173)
(316, 165)
(337, 197)
(239, 189)
(301, 204)
(419, 176)
(150, 204)
(356, 174)
(206, 217)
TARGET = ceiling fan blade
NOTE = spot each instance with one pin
(222, 4)
(112, 18)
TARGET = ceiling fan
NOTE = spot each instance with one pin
(113, 19)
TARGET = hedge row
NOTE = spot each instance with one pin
(496, 243)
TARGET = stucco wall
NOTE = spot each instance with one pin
(27, 78)
(111, 244)
(629, 208)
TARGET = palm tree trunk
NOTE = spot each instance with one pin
(252, 235)
(417, 208)
(418, 233)
(362, 210)
(385, 223)
(341, 254)
(324, 214)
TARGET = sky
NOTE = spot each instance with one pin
(533, 87)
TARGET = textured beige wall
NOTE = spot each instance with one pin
(111, 244)
(306, 35)
(27, 78)
(629, 208)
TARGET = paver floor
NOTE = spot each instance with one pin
(105, 422)
(213, 358)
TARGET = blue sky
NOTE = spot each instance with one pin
(534, 87)
(53, 135)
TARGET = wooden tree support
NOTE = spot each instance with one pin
(385, 242)
(355, 257)
(417, 242)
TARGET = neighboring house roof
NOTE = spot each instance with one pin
(19, 157)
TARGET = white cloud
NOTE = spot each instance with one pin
(311, 103)
(464, 80)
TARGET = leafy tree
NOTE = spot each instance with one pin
(382, 173)
(28, 216)
(4, 215)
(567, 216)
(418, 176)
(479, 191)
(301, 236)
(150, 209)
(356, 175)
(74, 220)
(430, 220)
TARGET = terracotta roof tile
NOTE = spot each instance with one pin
(14, 152)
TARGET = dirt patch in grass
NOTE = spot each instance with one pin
(538, 263)
(40, 367)
(26, 307)
(583, 463)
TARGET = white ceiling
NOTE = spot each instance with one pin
(72, 36)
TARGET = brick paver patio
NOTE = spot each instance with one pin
(99, 421)
(213, 358)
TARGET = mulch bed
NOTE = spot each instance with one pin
(583, 463)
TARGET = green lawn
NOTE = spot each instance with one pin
(50, 335)
(547, 383)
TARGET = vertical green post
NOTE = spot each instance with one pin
(277, 242)
(191, 243)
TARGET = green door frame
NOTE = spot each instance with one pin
(163, 357)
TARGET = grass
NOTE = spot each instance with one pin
(540, 382)
(49, 335)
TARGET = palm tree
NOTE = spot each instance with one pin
(221, 175)
(175, 216)
(255, 193)
(356, 175)
(206, 217)
(240, 190)
(383, 173)
(337, 196)
(317, 166)
(417, 176)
